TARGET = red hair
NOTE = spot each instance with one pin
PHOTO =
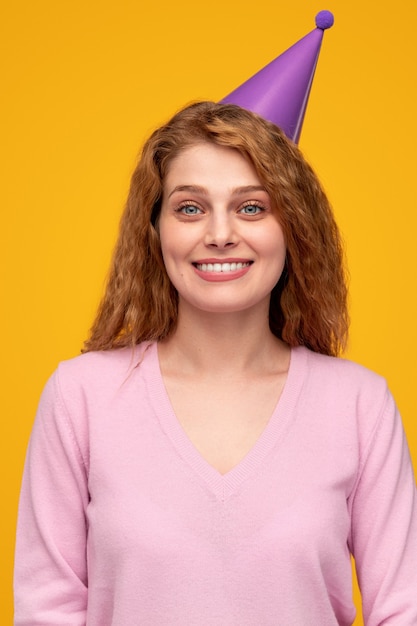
(309, 303)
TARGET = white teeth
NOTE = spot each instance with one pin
(220, 267)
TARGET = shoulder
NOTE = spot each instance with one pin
(346, 392)
(84, 388)
(347, 375)
(102, 367)
(93, 378)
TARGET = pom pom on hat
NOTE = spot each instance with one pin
(324, 20)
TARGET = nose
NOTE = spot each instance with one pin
(221, 231)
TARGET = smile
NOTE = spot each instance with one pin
(221, 267)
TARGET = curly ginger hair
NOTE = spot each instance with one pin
(309, 303)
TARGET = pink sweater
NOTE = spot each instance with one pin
(122, 522)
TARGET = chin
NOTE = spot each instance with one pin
(223, 307)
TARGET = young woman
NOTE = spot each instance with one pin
(207, 460)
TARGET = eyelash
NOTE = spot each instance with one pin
(255, 204)
(185, 205)
(182, 208)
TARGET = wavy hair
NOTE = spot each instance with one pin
(309, 303)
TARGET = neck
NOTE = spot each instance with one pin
(224, 343)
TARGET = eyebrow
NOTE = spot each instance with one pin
(203, 191)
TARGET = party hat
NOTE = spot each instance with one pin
(279, 92)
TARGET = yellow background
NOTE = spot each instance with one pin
(84, 82)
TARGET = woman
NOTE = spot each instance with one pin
(208, 460)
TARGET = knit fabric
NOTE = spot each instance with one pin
(123, 523)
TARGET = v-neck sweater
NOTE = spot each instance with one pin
(123, 523)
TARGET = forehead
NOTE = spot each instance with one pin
(209, 163)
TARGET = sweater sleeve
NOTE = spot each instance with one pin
(50, 565)
(384, 524)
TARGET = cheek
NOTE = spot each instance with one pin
(273, 245)
(275, 252)
(168, 239)
(174, 254)
(177, 243)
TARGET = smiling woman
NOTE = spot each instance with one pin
(209, 460)
(308, 303)
(221, 233)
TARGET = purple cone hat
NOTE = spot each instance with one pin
(279, 92)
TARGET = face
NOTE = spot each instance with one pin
(223, 247)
